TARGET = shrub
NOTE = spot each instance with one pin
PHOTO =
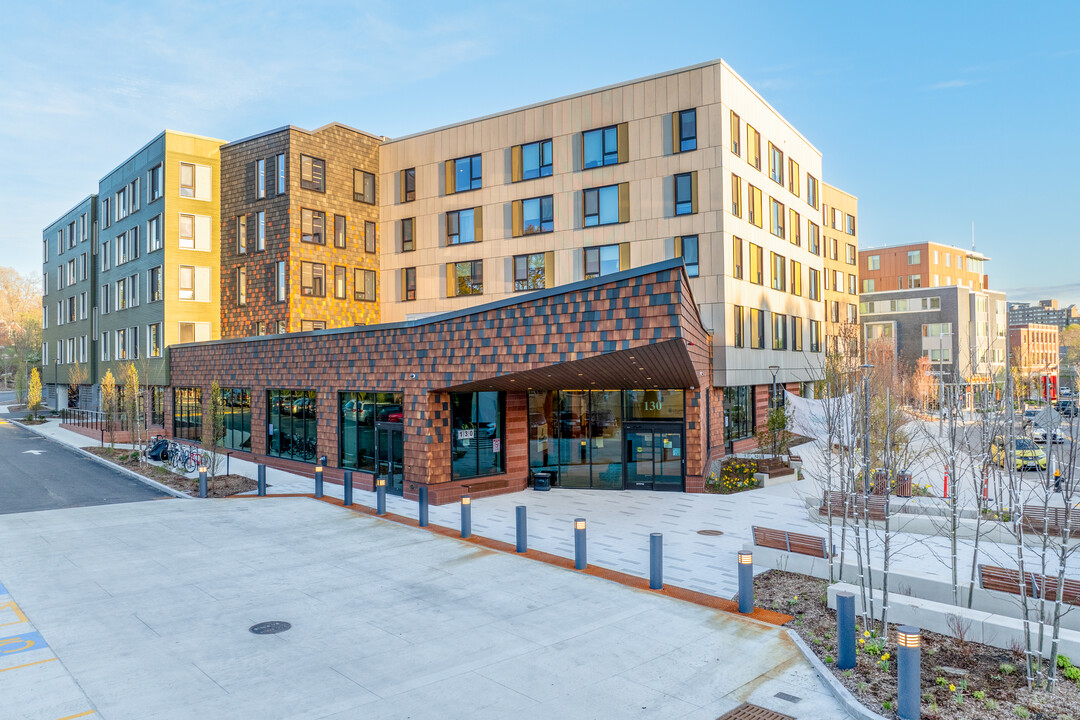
(1021, 711)
(1071, 673)
(736, 475)
(978, 694)
(887, 705)
(829, 660)
(1007, 668)
(1063, 661)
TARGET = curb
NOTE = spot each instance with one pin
(853, 706)
(102, 461)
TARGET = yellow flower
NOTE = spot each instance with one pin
(952, 688)
(885, 656)
(796, 597)
(862, 641)
(866, 633)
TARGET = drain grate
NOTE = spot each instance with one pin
(270, 628)
(746, 711)
(787, 698)
(711, 533)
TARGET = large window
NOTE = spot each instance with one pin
(739, 317)
(529, 271)
(757, 329)
(369, 236)
(291, 424)
(757, 264)
(187, 413)
(602, 205)
(689, 251)
(754, 198)
(686, 130)
(340, 231)
(600, 147)
(364, 285)
(811, 190)
(460, 227)
(155, 289)
(476, 421)
(776, 164)
(363, 187)
(537, 215)
(779, 331)
(736, 257)
(313, 279)
(467, 173)
(241, 234)
(814, 239)
(815, 336)
(408, 241)
(358, 413)
(241, 285)
(312, 173)
(738, 413)
(260, 178)
(779, 271)
(468, 277)
(236, 403)
(312, 226)
(684, 194)
(535, 160)
(408, 283)
(408, 185)
(600, 261)
(777, 224)
(341, 279)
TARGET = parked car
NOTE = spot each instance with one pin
(1066, 407)
(1028, 417)
(1023, 452)
(1039, 435)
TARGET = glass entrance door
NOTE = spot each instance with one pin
(389, 451)
(654, 455)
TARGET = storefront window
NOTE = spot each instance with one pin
(358, 413)
(236, 403)
(738, 413)
(157, 406)
(291, 424)
(654, 404)
(476, 420)
(187, 413)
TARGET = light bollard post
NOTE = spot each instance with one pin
(746, 582)
(908, 658)
(466, 516)
(656, 561)
(580, 560)
(202, 481)
(348, 488)
(318, 481)
(261, 475)
(380, 496)
(423, 506)
(522, 530)
(845, 630)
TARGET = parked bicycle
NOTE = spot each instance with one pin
(184, 457)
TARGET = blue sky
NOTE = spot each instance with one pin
(935, 115)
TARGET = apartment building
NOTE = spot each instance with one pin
(1045, 312)
(922, 265)
(157, 259)
(68, 356)
(300, 246)
(840, 278)
(693, 164)
(1034, 348)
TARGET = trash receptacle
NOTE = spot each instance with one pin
(541, 481)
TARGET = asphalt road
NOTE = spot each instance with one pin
(38, 474)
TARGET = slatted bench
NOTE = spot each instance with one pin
(791, 542)
(477, 487)
(1038, 586)
(856, 505)
(1036, 516)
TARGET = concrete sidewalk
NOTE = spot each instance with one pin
(148, 607)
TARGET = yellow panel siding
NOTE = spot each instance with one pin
(693, 192)
(678, 246)
(549, 269)
(478, 224)
(448, 170)
(451, 281)
(624, 202)
(401, 282)
(401, 186)
(624, 142)
(624, 256)
(516, 164)
(517, 219)
(676, 131)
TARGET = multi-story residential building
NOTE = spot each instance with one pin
(921, 265)
(1046, 312)
(67, 318)
(691, 163)
(1035, 352)
(158, 256)
(962, 332)
(300, 239)
(840, 278)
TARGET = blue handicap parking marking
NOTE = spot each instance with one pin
(21, 643)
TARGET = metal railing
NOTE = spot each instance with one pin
(95, 420)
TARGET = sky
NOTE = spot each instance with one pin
(935, 115)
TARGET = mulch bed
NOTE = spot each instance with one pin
(221, 486)
(996, 674)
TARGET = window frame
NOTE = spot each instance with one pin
(409, 284)
(317, 273)
(542, 170)
(368, 277)
(683, 206)
(598, 194)
(527, 281)
(599, 251)
(683, 138)
(317, 183)
(605, 153)
(547, 223)
(476, 172)
(307, 220)
(363, 196)
(476, 269)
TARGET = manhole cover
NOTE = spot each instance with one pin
(710, 532)
(746, 711)
(270, 628)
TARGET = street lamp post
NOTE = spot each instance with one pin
(772, 397)
(941, 380)
(866, 368)
(56, 382)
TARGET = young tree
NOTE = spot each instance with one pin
(133, 407)
(78, 374)
(33, 395)
(213, 429)
(20, 384)
(108, 403)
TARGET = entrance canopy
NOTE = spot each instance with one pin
(661, 365)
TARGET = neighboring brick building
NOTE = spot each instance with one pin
(298, 225)
(1035, 353)
(465, 398)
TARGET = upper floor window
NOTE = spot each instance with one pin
(154, 183)
(777, 224)
(849, 224)
(155, 239)
(736, 257)
(369, 236)
(531, 160)
(754, 196)
(279, 162)
(155, 290)
(312, 226)
(779, 272)
(851, 255)
(280, 277)
(464, 174)
(811, 190)
(187, 180)
(466, 278)
(603, 146)
(685, 130)
(364, 285)
(312, 173)
(312, 279)
(340, 281)
(461, 227)
(363, 187)
(260, 178)
(736, 134)
(605, 205)
(793, 177)
(753, 147)
(408, 185)
(408, 283)
(408, 243)
(537, 215)
(241, 234)
(757, 263)
(873, 262)
(529, 271)
(260, 230)
(779, 333)
(688, 250)
(603, 260)
(913, 257)
(241, 285)
(187, 282)
(776, 164)
(686, 193)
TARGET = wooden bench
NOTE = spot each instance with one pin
(857, 505)
(791, 542)
(1036, 516)
(486, 485)
(1037, 586)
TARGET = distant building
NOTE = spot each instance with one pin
(1034, 350)
(921, 265)
(1045, 312)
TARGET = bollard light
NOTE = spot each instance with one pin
(579, 524)
(318, 468)
(746, 582)
(318, 481)
(656, 561)
(261, 475)
(380, 498)
(908, 658)
(423, 490)
(466, 516)
(347, 484)
(845, 630)
(580, 559)
(522, 531)
(202, 481)
(202, 468)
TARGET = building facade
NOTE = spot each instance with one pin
(300, 246)
(1034, 350)
(1045, 312)
(840, 277)
(68, 357)
(921, 265)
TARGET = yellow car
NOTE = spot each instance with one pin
(1026, 454)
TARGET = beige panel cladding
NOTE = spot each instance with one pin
(845, 204)
(646, 107)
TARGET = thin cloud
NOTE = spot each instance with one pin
(952, 84)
